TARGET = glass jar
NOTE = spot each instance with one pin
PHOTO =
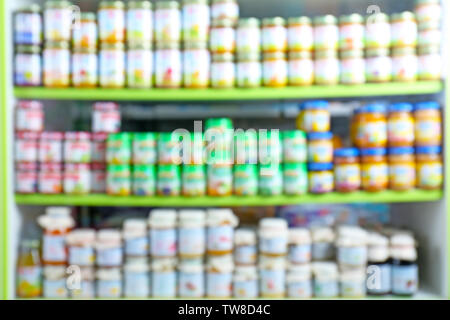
(168, 180)
(87, 285)
(429, 167)
(136, 239)
(29, 269)
(270, 147)
(144, 180)
(326, 67)
(378, 65)
(81, 247)
(192, 234)
(196, 65)
(112, 65)
(169, 148)
(164, 278)
(275, 69)
(400, 125)
(428, 10)
(136, 280)
(224, 9)
(272, 277)
(270, 179)
(378, 31)
(139, 66)
(300, 34)
(248, 70)
(347, 170)
(353, 67)
(111, 21)
(405, 272)
(26, 147)
(77, 178)
(105, 117)
(321, 178)
(191, 280)
(168, 68)
(429, 34)
(404, 65)
(371, 126)
(118, 148)
(222, 71)
(140, 22)
(299, 283)
(322, 248)
(353, 283)
(220, 231)
(430, 63)
(351, 32)
(248, 36)
(326, 33)
(195, 20)
(403, 30)
(109, 283)
(378, 265)
(374, 169)
(428, 124)
(300, 68)
(325, 279)
(402, 168)
(109, 248)
(245, 252)
(245, 282)
(315, 116)
(77, 147)
(28, 66)
(167, 21)
(273, 237)
(98, 175)
(194, 180)
(294, 146)
(219, 277)
(50, 179)
(245, 178)
(219, 180)
(118, 180)
(56, 65)
(246, 147)
(351, 246)
(196, 155)
(84, 33)
(320, 147)
(98, 154)
(274, 35)
(29, 116)
(57, 21)
(163, 233)
(28, 26)
(144, 148)
(54, 283)
(295, 179)
(299, 246)
(26, 178)
(84, 68)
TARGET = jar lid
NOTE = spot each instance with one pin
(428, 150)
(167, 5)
(278, 224)
(108, 274)
(320, 136)
(317, 104)
(326, 19)
(32, 8)
(27, 135)
(91, 16)
(223, 57)
(245, 237)
(28, 49)
(351, 18)
(325, 270)
(405, 15)
(431, 49)
(377, 52)
(275, 21)
(328, 53)
(299, 20)
(76, 166)
(300, 55)
(57, 4)
(322, 234)
(403, 51)
(99, 136)
(373, 152)
(108, 238)
(81, 237)
(401, 107)
(57, 45)
(134, 228)
(195, 45)
(245, 273)
(274, 55)
(347, 54)
(219, 217)
(220, 264)
(139, 45)
(140, 5)
(271, 263)
(401, 150)
(77, 135)
(315, 166)
(299, 236)
(112, 46)
(30, 104)
(248, 56)
(430, 25)
(346, 152)
(192, 218)
(162, 218)
(52, 135)
(248, 23)
(164, 264)
(427, 105)
(85, 50)
(54, 272)
(222, 23)
(377, 17)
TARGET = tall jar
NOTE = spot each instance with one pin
(85, 32)
(272, 277)
(164, 278)
(245, 252)
(248, 36)
(402, 168)
(300, 34)
(28, 66)
(139, 66)
(400, 125)
(405, 271)
(245, 179)
(192, 234)
(57, 21)
(353, 67)
(167, 21)
(220, 231)
(26, 178)
(105, 119)
(118, 180)
(404, 64)
(26, 147)
(347, 170)
(84, 68)
(378, 65)
(140, 22)
(168, 180)
(326, 33)
(430, 63)
(144, 180)
(28, 26)
(111, 21)
(222, 70)
(274, 35)
(326, 67)
(112, 65)
(248, 70)
(275, 69)
(163, 233)
(196, 19)
(224, 9)
(378, 31)
(193, 180)
(223, 36)
(429, 168)
(56, 65)
(404, 30)
(245, 282)
(378, 265)
(351, 32)
(50, 179)
(374, 169)
(168, 68)
(301, 68)
(196, 65)
(428, 124)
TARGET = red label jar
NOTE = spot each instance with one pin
(50, 178)
(50, 147)
(26, 146)
(106, 117)
(29, 116)
(26, 178)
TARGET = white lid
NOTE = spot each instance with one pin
(81, 237)
(164, 264)
(245, 273)
(163, 218)
(192, 218)
(245, 237)
(136, 260)
(322, 234)
(273, 228)
(218, 217)
(272, 263)
(134, 228)
(325, 270)
(299, 273)
(220, 264)
(54, 272)
(109, 274)
(191, 267)
(136, 267)
(358, 274)
(403, 247)
(109, 238)
(58, 211)
(56, 218)
(378, 250)
(299, 236)
(351, 236)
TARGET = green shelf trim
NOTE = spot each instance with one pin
(97, 200)
(338, 91)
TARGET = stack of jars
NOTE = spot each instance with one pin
(274, 45)
(300, 37)
(248, 51)
(245, 278)
(326, 44)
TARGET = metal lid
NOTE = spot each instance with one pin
(275, 21)
(112, 46)
(57, 4)
(274, 55)
(299, 20)
(205, 2)
(248, 22)
(321, 54)
(223, 57)
(327, 19)
(139, 46)
(377, 17)
(57, 45)
(248, 56)
(222, 23)
(347, 54)
(167, 45)
(219, 1)
(405, 15)
(167, 5)
(432, 49)
(140, 5)
(28, 49)
(300, 55)
(352, 18)
(91, 16)
(32, 8)
(378, 52)
(84, 50)
(403, 51)
(195, 45)
(114, 4)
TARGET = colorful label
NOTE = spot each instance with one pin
(84, 69)
(405, 279)
(50, 182)
(118, 183)
(352, 256)
(164, 284)
(353, 71)
(275, 245)
(194, 183)
(294, 150)
(271, 184)
(29, 281)
(428, 131)
(111, 23)
(137, 284)
(196, 66)
(192, 241)
(163, 243)
(50, 151)
(28, 69)
(219, 285)
(105, 121)
(274, 38)
(139, 68)
(168, 184)
(56, 67)
(26, 181)
(248, 74)
(429, 175)
(139, 25)
(275, 72)
(136, 246)
(245, 289)
(77, 151)
(191, 284)
(85, 35)
(300, 253)
(326, 289)
(144, 182)
(248, 39)
(26, 150)
(222, 39)
(195, 22)
(220, 238)
(245, 255)
(220, 180)
(351, 36)
(378, 69)
(347, 176)
(245, 182)
(54, 248)
(28, 28)
(57, 24)
(167, 25)
(326, 37)
(144, 152)
(320, 151)
(29, 120)
(222, 74)
(109, 288)
(404, 33)
(81, 256)
(55, 289)
(300, 289)
(378, 34)
(77, 182)
(430, 67)
(112, 68)
(326, 71)
(374, 175)
(168, 69)
(404, 68)
(300, 38)
(110, 257)
(402, 175)
(295, 182)
(272, 283)
(373, 133)
(401, 130)
(301, 72)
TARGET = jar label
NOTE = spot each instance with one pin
(245, 255)
(404, 68)
(274, 38)
(163, 243)
(374, 175)
(195, 22)
(405, 279)
(353, 71)
(326, 37)
(56, 67)
(320, 151)
(139, 68)
(54, 248)
(144, 186)
(28, 28)
(50, 151)
(191, 241)
(401, 130)
(220, 181)
(112, 68)
(77, 151)
(109, 288)
(326, 289)
(351, 36)
(111, 24)
(248, 39)
(404, 33)
(300, 253)
(275, 72)
(85, 35)
(245, 289)
(222, 40)
(353, 288)
(248, 74)
(164, 284)
(300, 37)
(81, 256)
(272, 282)
(196, 68)
(428, 131)
(137, 285)
(27, 70)
(77, 182)
(301, 72)
(191, 284)
(275, 245)
(167, 25)
(218, 285)
(29, 283)
(136, 246)
(138, 22)
(50, 183)
(57, 24)
(402, 175)
(352, 256)
(110, 257)
(26, 182)
(378, 69)
(430, 66)
(168, 68)
(430, 175)
(300, 289)
(378, 34)
(295, 182)
(222, 74)
(326, 71)
(84, 69)
(271, 185)
(55, 288)
(86, 291)
(347, 176)
(220, 238)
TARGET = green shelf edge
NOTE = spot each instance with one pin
(338, 91)
(97, 200)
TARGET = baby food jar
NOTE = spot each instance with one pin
(195, 20)
(428, 127)
(191, 234)
(429, 168)
(299, 246)
(273, 237)
(404, 64)
(118, 180)
(248, 36)
(109, 283)
(245, 282)
(223, 37)
(321, 178)
(111, 21)
(26, 146)
(136, 280)
(169, 148)
(326, 33)
(300, 68)
(378, 265)
(118, 148)
(245, 179)
(167, 21)
(28, 26)
(320, 147)
(402, 168)
(106, 117)
(164, 278)
(378, 65)
(428, 10)
(168, 180)
(374, 169)
(270, 179)
(112, 65)
(322, 248)
(144, 148)
(245, 247)
(351, 32)
(353, 67)
(351, 246)
(295, 179)
(168, 68)
(84, 33)
(274, 35)
(57, 21)
(191, 280)
(371, 126)
(298, 281)
(222, 70)
(144, 180)
(81, 247)
(430, 63)
(300, 34)
(84, 68)
(294, 146)
(139, 22)
(98, 178)
(270, 147)
(196, 65)
(275, 69)
(405, 273)
(220, 231)
(248, 70)
(77, 178)
(135, 238)
(98, 154)
(224, 9)
(400, 125)
(326, 67)
(403, 30)
(27, 66)
(77, 147)
(139, 66)
(163, 233)
(219, 277)
(193, 180)
(26, 179)
(347, 170)
(109, 248)
(50, 178)
(325, 279)
(378, 31)
(56, 65)
(220, 180)
(50, 147)
(29, 116)
(315, 116)
(353, 283)
(54, 284)
(86, 289)
(272, 277)
(429, 34)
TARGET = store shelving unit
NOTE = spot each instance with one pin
(426, 212)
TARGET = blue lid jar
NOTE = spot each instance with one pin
(315, 166)
(346, 152)
(374, 108)
(320, 136)
(317, 104)
(427, 105)
(401, 107)
(373, 152)
(401, 150)
(428, 150)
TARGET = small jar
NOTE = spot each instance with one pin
(429, 168)
(275, 69)
(299, 283)
(245, 179)
(26, 146)
(139, 22)
(403, 30)
(84, 33)
(270, 180)
(98, 153)
(272, 277)
(168, 68)
(374, 169)
(219, 277)
(98, 178)
(300, 68)
(378, 31)
(118, 148)
(84, 68)
(295, 179)
(428, 124)
(353, 67)
(299, 246)
(54, 284)
(81, 247)
(320, 147)
(191, 280)
(273, 237)
(322, 248)
(105, 117)
(193, 180)
(405, 273)
(402, 168)
(118, 180)
(430, 63)
(28, 66)
(57, 21)
(378, 65)
(248, 70)
(222, 71)
(300, 34)
(56, 65)
(50, 178)
(245, 252)
(109, 283)
(326, 67)
(404, 65)
(400, 125)
(429, 34)
(274, 35)
(224, 9)
(315, 116)
(245, 282)
(109, 248)
(77, 147)
(144, 180)
(144, 148)
(111, 21)
(28, 26)
(326, 33)
(378, 265)
(164, 278)
(77, 178)
(167, 21)
(168, 180)
(87, 285)
(371, 126)
(163, 233)
(321, 178)
(294, 146)
(112, 65)
(196, 65)
(325, 279)
(136, 280)
(135, 238)
(191, 234)
(139, 66)
(219, 180)
(351, 246)
(347, 170)
(26, 178)
(169, 148)
(220, 231)
(223, 37)
(248, 36)
(351, 32)
(353, 283)
(196, 19)
(428, 10)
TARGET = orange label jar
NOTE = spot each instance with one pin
(402, 168)
(400, 125)
(347, 169)
(428, 127)
(429, 167)
(371, 127)
(374, 169)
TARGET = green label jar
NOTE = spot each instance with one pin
(118, 180)
(220, 180)
(169, 180)
(169, 148)
(144, 180)
(194, 180)
(270, 147)
(246, 180)
(270, 180)
(144, 148)
(118, 148)
(246, 147)
(196, 154)
(294, 146)
(295, 178)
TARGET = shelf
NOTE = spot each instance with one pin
(338, 91)
(98, 200)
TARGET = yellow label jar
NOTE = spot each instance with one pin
(222, 70)
(274, 35)
(428, 127)
(315, 116)
(400, 125)
(112, 65)
(321, 178)
(374, 169)
(111, 21)
(370, 126)
(56, 65)
(275, 69)
(429, 167)
(320, 147)
(402, 168)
